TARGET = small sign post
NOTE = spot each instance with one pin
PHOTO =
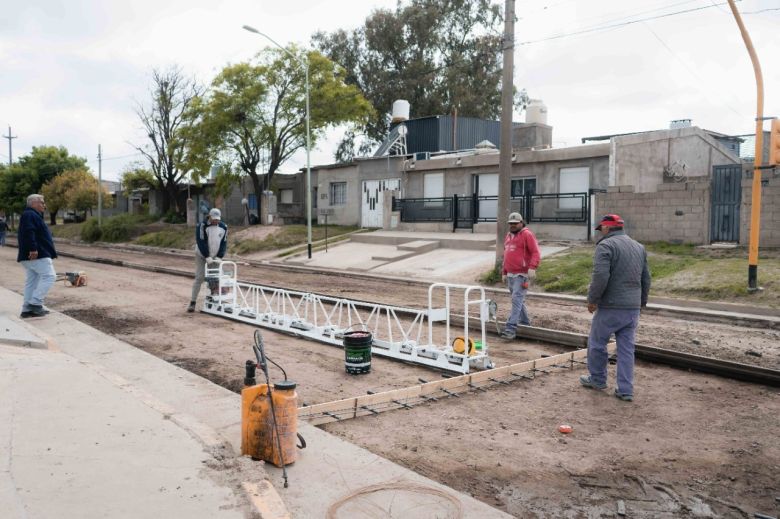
(325, 211)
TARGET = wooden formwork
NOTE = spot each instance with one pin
(431, 391)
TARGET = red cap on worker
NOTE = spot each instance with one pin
(610, 220)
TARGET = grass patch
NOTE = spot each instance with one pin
(491, 277)
(566, 272)
(68, 231)
(288, 236)
(168, 239)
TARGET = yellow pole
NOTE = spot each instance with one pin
(755, 210)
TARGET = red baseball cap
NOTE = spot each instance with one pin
(610, 220)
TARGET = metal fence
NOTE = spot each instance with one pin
(465, 211)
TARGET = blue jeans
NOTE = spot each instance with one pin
(40, 278)
(623, 323)
(2, 239)
(519, 313)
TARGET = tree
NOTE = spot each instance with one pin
(440, 55)
(254, 116)
(16, 183)
(164, 122)
(46, 162)
(135, 176)
(76, 189)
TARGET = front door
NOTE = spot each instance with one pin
(371, 213)
(726, 199)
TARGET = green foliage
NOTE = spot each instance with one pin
(437, 54)
(74, 189)
(135, 176)
(170, 239)
(16, 183)
(663, 247)
(90, 231)
(566, 272)
(46, 162)
(491, 277)
(117, 230)
(68, 232)
(173, 216)
(288, 236)
(257, 111)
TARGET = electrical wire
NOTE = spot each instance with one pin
(690, 70)
(615, 25)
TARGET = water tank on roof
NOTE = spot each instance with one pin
(536, 112)
(400, 110)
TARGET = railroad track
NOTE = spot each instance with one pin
(676, 359)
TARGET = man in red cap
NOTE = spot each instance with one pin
(619, 287)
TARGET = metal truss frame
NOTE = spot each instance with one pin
(397, 332)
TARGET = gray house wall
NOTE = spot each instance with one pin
(640, 160)
(676, 213)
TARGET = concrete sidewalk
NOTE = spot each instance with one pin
(450, 257)
(93, 427)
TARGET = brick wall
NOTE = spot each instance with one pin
(677, 213)
(770, 210)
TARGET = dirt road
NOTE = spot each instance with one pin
(690, 445)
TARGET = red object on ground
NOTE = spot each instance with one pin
(565, 429)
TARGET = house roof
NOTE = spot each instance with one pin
(716, 135)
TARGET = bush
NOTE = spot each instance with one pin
(173, 217)
(491, 277)
(90, 231)
(117, 229)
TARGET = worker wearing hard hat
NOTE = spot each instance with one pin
(210, 247)
(521, 258)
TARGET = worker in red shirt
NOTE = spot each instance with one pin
(521, 257)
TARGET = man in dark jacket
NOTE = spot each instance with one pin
(36, 252)
(618, 290)
(210, 247)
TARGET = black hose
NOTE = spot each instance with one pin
(261, 358)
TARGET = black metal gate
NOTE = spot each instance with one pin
(465, 208)
(726, 199)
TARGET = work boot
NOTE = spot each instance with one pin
(624, 396)
(508, 334)
(191, 308)
(586, 381)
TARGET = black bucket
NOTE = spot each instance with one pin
(357, 352)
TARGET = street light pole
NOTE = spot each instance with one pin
(308, 133)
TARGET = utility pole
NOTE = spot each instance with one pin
(505, 151)
(100, 186)
(755, 209)
(10, 137)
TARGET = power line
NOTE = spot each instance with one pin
(617, 25)
(688, 69)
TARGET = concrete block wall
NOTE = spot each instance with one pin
(769, 226)
(677, 213)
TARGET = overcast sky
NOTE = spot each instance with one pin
(74, 71)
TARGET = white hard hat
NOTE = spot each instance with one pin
(215, 214)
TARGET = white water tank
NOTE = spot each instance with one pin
(536, 112)
(400, 110)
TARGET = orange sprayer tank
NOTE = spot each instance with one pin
(258, 436)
